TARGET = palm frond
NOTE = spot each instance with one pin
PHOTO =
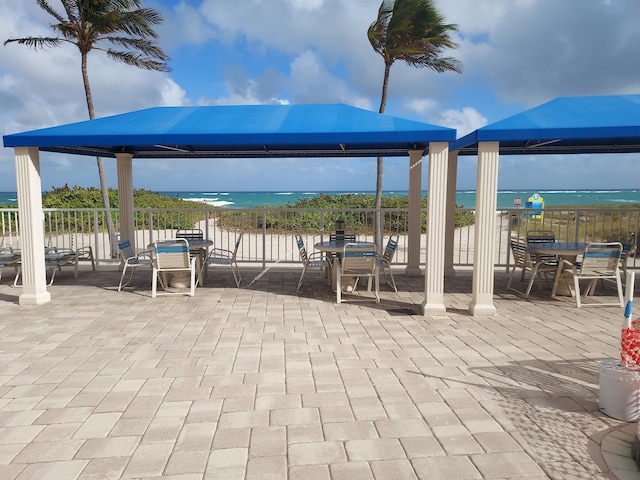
(37, 43)
(138, 60)
(140, 45)
(47, 8)
(413, 31)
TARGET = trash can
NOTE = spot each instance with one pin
(619, 391)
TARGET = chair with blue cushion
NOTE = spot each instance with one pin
(358, 260)
(173, 260)
(600, 261)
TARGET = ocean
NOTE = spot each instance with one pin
(464, 198)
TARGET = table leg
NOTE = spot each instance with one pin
(562, 287)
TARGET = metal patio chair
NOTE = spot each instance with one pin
(599, 261)
(172, 258)
(358, 261)
(131, 260)
(315, 260)
(223, 256)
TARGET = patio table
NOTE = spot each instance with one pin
(564, 251)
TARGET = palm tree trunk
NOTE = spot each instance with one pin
(113, 241)
(380, 165)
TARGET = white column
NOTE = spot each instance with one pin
(436, 222)
(414, 216)
(125, 197)
(485, 227)
(29, 185)
(452, 180)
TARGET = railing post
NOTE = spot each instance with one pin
(576, 229)
(96, 237)
(264, 238)
(150, 212)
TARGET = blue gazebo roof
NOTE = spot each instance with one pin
(599, 124)
(325, 130)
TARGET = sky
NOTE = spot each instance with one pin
(515, 54)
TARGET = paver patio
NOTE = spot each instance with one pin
(263, 383)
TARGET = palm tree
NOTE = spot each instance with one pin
(412, 31)
(120, 28)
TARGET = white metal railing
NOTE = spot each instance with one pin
(269, 232)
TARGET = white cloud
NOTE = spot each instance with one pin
(515, 54)
(464, 121)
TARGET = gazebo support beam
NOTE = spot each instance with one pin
(414, 216)
(485, 227)
(125, 197)
(449, 242)
(29, 186)
(436, 225)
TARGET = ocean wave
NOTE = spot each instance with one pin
(283, 193)
(214, 202)
(562, 191)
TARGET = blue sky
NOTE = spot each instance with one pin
(516, 54)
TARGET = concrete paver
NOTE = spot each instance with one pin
(264, 383)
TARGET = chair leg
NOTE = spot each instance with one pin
(534, 273)
(154, 284)
(304, 269)
(576, 286)
(338, 288)
(393, 281)
(236, 274)
(192, 292)
(620, 292)
(513, 272)
(124, 271)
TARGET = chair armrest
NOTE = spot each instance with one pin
(218, 252)
(316, 255)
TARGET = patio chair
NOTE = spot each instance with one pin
(190, 233)
(223, 256)
(54, 259)
(84, 254)
(384, 262)
(131, 260)
(599, 261)
(342, 237)
(540, 236)
(629, 243)
(172, 258)
(9, 258)
(315, 260)
(358, 261)
(538, 265)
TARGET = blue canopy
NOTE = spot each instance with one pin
(324, 130)
(600, 124)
